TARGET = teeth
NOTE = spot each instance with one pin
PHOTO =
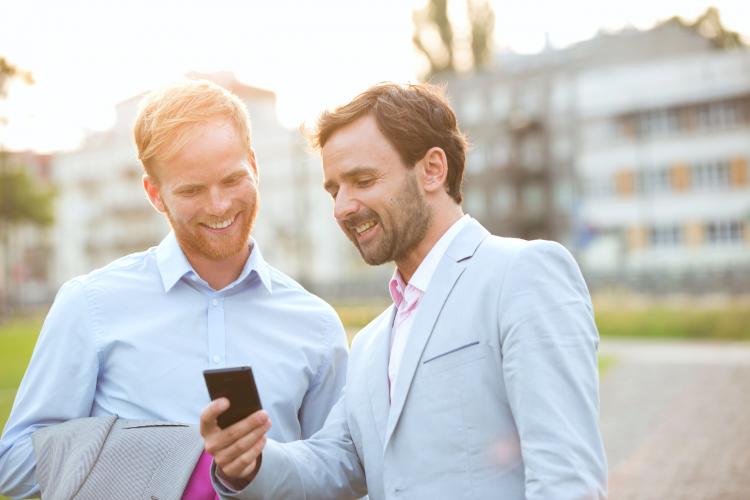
(220, 225)
(364, 227)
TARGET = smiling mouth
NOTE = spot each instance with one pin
(222, 224)
(363, 228)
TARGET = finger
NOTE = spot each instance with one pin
(225, 455)
(210, 414)
(244, 465)
(253, 426)
(232, 434)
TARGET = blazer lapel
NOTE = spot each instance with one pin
(446, 275)
(377, 370)
(432, 302)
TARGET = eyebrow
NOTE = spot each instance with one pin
(349, 174)
(235, 174)
(232, 175)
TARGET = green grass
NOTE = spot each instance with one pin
(17, 338)
(730, 322)
(605, 363)
(715, 323)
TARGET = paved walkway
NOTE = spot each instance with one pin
(675, 419)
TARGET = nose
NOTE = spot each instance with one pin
(344, 205)
(218, 202)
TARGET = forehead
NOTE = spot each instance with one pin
(209, 139)
(205, 149)
(360, 144)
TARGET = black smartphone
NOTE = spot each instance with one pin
(238, 386)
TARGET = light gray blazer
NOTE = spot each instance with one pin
(98, 458)
(496, 397)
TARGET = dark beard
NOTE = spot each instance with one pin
(410, 219)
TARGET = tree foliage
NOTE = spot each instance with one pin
(710, 26)
(434, 35)
(9, 71)
(22, 200)
(482, 19)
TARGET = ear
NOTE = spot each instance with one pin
(434, 170)
(253, 163)
(152, 191)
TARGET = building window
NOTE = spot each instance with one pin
(665, 236)
(499, 154)
(717, 115)
(471, 110)
(657, 122)
(599, 187)
(503, 200)
(534, 200)
(500, 102)
(477, 160)
(712, 175)
(475, 202)
(532, 152)
(724, 232)
(651, 181)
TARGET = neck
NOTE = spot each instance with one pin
(443, 219)
(219, 273)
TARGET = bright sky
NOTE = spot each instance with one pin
(87, 56)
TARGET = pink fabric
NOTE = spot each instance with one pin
(406, 298)
(407, 305)
(199, 487)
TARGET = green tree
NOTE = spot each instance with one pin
(482, 19)
(438, 51)
(22, 201)
(434, 37)
(710, 26)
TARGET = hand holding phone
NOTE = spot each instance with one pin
(238, 386)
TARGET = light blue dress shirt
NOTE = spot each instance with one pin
(133, 338)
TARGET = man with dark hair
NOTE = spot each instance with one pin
(480, 381)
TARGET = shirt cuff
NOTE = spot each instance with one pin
(223, 483)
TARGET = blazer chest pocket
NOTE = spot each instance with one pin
(452, 357)
(150, 425)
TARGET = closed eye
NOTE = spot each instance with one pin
(234, 179)
(365, 182)
(188, 191)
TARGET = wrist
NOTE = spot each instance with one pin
(238, 483)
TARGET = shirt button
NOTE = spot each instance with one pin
(217, 359)
(215, 302)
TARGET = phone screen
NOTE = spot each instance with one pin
(238, 386)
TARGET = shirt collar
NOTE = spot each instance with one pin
(423, 275)
(173, 264)
(171, 261)
(256, 262)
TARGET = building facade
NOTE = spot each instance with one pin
(631, 148)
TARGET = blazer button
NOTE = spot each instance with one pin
(154, 497)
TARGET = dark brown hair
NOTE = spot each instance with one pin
(414, 118)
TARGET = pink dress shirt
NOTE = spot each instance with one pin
(407, 296)
(199, 486)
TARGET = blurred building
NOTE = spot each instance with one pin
(630, 148)
(102, 212)
(25, 248)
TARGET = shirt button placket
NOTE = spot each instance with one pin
(216, 333)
